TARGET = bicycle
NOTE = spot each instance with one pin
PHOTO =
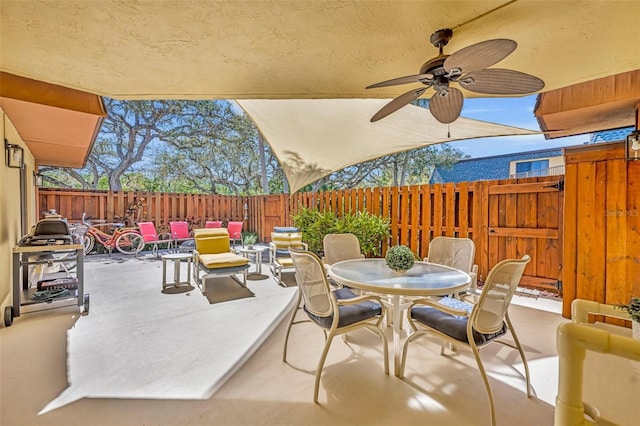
(125, 240)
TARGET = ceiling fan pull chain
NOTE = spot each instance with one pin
(448, 131)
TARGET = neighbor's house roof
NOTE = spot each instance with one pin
(614, 135)
(487, 168)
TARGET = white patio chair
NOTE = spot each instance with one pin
(336, 312)
(472, 325)
(457, 253)
(339, 247)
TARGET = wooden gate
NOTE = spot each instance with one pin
(526, 218)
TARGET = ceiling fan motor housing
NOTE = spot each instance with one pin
(434, 66)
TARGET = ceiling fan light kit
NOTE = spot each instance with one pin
(468, 67)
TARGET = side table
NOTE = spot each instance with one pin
(177, 258)
(246, 252)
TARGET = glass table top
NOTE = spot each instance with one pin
(422, 279)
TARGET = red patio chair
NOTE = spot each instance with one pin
(151, 236)
(213, 224)
(179, 232)
(235, 232)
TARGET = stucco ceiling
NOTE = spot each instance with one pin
(300, 49)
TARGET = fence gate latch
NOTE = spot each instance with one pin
(558, 185)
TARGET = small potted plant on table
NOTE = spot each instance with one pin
(249, 240)
(400, 258)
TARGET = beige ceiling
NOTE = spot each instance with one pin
(234, 49)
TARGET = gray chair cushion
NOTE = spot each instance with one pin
(348, 314)
(452, 325)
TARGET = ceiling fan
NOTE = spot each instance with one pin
(468, 68)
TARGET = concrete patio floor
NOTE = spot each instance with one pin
(144, 356)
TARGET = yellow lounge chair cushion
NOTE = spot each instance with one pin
(212, 240)
(222, 260)
(285, 261)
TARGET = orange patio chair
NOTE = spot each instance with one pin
(151, 236)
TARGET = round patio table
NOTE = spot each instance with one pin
(422, 280)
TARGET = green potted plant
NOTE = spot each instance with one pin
(249, 240)
(400, 258)
(633, 308)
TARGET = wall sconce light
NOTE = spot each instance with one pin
(245, 208)
(633, 145)
(38, 179)
(15, 155)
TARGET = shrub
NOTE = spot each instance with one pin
(368, 228)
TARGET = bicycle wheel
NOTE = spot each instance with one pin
(89, 242)
(129, 243)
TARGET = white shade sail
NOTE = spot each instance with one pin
(314, 137)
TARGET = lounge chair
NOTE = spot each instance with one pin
(213, 257)
(279, 252)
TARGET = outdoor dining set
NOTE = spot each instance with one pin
(343, 291)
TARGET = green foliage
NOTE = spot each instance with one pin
(249, 239)
(370, 229)
(633, 308)
(400, 258)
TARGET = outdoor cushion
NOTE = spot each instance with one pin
(452, 325)
(222, 260)
(286, 240)
(285, 261)
(212, 240)
(286, 229)
(348, 314)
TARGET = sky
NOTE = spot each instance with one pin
(516, 112)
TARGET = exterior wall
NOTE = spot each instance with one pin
(553, 162)
(10, 231)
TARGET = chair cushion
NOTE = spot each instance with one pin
(348, 314)
(222, 260)
(285, 240)
(281, 229)
(212, 240)
(285, 262)
(452, 325)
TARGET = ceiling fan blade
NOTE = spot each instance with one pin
(497, 81)
(398, 103)
(480, 55)
(418, 78)
(446, 105)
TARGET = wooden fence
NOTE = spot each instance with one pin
(505, 218)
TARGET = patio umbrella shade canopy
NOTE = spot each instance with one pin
(315, 137)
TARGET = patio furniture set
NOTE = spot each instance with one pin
(439, 295)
